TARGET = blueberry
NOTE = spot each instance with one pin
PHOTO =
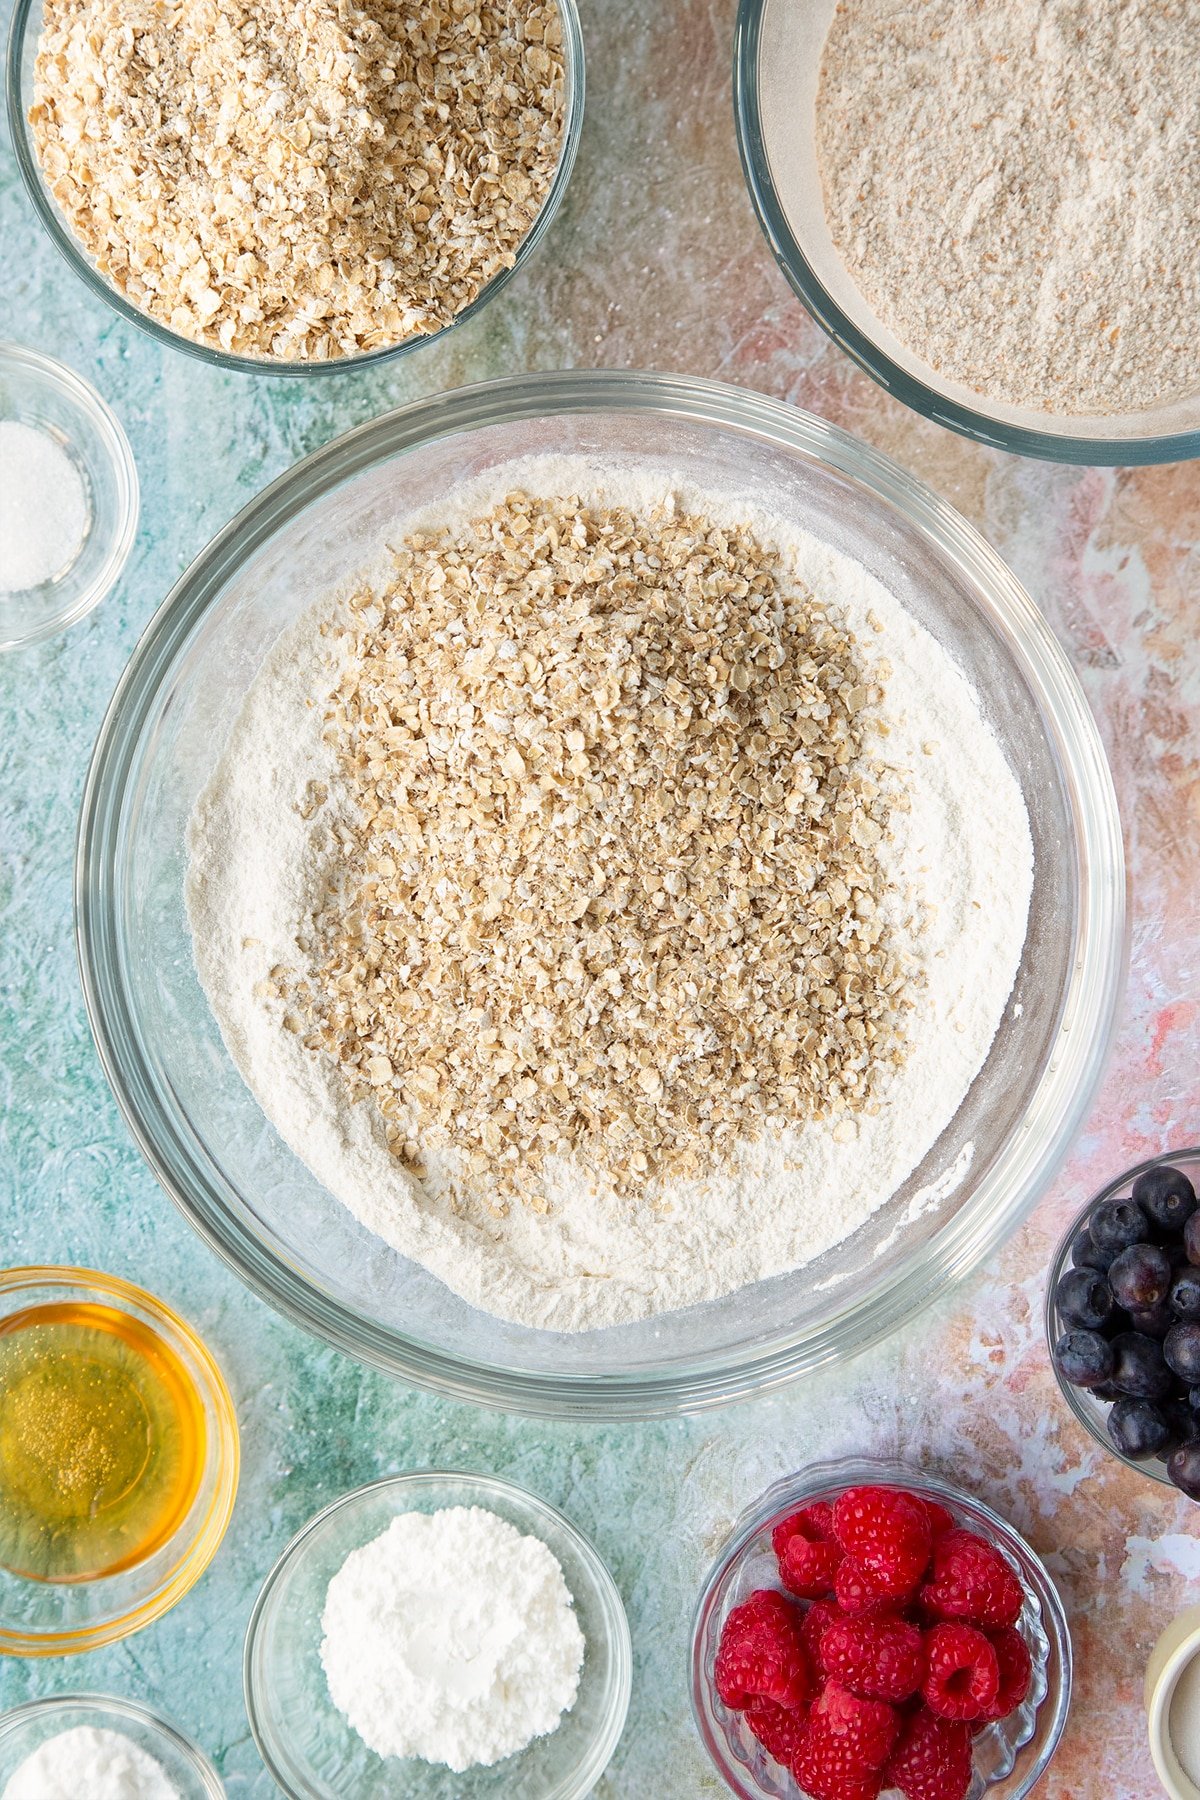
(1083, 1358)
(1181, 1420)
(1155, 1322)
(1083, 1298)
(1185, 1296)
(1166, 1196)
(1085, 1255)
(1191, 1238)
(1140, 1277)
(1137, 1427)
(1115, 1224)
(1138, 1367)
(1105, 1390)
(1181, 1350)
(1183, 1466)
(1194, 1401)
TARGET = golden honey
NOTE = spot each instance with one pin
(102, 1441)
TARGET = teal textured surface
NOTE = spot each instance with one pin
(655, 261)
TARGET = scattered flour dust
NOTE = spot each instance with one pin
(1014, 185)
(960, 868)
(452, 1637)
(90, 1763)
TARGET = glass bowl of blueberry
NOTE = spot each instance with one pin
(1123, 1319)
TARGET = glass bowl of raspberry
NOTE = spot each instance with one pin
(868, 1630)
(1123, 1318)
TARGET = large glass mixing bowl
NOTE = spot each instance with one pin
(205, 1135)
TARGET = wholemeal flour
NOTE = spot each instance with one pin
(959, 866)
(1014, 187)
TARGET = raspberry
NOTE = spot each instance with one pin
(819, 1768)
(881, 1659)
(817, 1620)
(777, 1729)
(843, 1746)
(810, 1570)
(971, 1581)
(763, 1606)
(932, 1760)
(813, 1522)
(940, 1520)
(1016, 1671)
(809, 1554)
(866, 1728)
(761, 1654)
(856, 1592)
(888, 1534)
(964, 1672)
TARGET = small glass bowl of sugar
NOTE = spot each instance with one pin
(100, 1746)
(68, 497)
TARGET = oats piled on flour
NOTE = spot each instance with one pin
(601, 900)
(611, 892)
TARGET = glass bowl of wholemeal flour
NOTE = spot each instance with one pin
(599, 893)
(347, 201)
(990, 208)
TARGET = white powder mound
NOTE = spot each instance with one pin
(1014, 187)
(90, 1762)
(959, 866)
(451, 1637)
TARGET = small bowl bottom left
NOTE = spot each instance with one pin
(26, 1727)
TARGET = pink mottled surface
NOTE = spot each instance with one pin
(655, 262)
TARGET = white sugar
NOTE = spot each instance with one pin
(43, 507)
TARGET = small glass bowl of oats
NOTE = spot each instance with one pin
(338, 207)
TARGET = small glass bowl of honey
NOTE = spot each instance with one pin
(118, 1459)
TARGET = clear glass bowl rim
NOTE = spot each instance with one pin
(806, 284)
(792, 1490)
(25, 15)
(1151, 1468)
(481, 1488)
(124, 469)
(1091, 999)
(114, 1705)
(223, 1451)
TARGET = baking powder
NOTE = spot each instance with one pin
(451, 1637)
(92, 1762)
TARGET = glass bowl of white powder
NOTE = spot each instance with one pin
(453, 1679)
(207, 778)
(68, 497)
(990, 212)
(68, 1745)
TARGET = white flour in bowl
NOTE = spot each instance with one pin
(958, 860)
(1014, 186)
